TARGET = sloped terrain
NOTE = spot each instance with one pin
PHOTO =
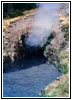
(12, 30)
(58, 54)
(34, 71)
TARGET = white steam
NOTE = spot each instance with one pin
(45, 18)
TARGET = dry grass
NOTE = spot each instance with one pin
(59, 88)
(28, 12)
(64, 57)
(64, 20)
(5, 28)
(7, 22)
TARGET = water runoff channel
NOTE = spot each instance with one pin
(28, 76)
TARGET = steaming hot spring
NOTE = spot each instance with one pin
(34, 39)
(44, 19)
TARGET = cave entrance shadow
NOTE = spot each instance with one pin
(26, 62)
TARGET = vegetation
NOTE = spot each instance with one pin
(60, 58)
(48, 41)
(59, 88)
(16, 9)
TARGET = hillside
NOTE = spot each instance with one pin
(31, 41)
(58, 54)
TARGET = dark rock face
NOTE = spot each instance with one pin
(34, 51)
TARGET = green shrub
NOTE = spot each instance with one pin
(52, 95)
(16, 9)
(14, 14)
(45, 95)
(47, 42)
(65, 68)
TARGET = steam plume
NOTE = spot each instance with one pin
(45, 18)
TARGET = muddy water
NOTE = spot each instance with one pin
(27, 77)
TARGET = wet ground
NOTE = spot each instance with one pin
(27, 77)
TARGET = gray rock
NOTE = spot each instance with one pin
(6, 42)
(58, 78)
(39, 94)
(4, 54)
